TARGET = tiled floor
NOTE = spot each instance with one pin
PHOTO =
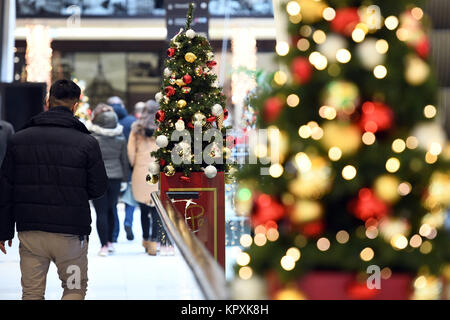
(127, 274)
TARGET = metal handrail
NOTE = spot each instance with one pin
(209, 274)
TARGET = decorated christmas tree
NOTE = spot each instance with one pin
(363, 176)
(191, 102)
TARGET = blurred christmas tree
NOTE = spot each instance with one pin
(190, 100)
(364, 176)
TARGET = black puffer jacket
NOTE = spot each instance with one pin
(51, 169)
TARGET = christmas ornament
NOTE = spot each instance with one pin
(301, 70)
(199, 119)
(330, 47)
(154, 168)
(368, 55)
(187, 79)
(179, 125)
(267, 208)
(152, 179)
(216, 110)
(169, 90)
(312, 229)
(272, 109)
(305, 211)
(376, 116)
(312, 183)
(186, 89)
(438, 196)
(171, 52)
(172, 81)
(416, 70)
(311, 10)
(162, 162)
(190, 34)
(167, 72)
(162, 141)
(225, 114)
(198, 71)
(345, 20)
(190, 57)
(211, 119)
(160, 116)
(209, 55)
(386, 188)
(368, 206)
(169, 170)
(158, 96)
(180, 82)
(371, 17)
(391, 226)
(210, 171)
(345, 136)
(341, 95)
(423, 47)
(211, 64)
(181, 103)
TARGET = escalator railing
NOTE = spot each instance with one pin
(209, 275)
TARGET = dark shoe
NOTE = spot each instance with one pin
(129, 231)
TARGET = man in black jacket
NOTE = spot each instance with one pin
(51, 169)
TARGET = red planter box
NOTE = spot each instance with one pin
(329, 285)
(205, 215)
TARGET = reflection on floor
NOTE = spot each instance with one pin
(127, 274)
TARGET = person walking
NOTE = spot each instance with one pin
(6, 132)
(126, 121)
(140, 144)
(106, 129)
(51, 170)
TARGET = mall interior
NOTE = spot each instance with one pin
(330, 175)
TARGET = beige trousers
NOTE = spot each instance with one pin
(37, 249)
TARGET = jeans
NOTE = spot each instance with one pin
(106, 209)
(128, 222)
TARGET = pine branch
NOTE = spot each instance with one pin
(189, 16)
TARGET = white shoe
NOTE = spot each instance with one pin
(111, 248)
(103, 252)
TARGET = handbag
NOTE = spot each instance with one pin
(128, 198)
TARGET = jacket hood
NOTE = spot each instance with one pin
(107, 119)
(57, 116)
(119, 110)
(109, 132)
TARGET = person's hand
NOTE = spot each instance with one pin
(2, 245)
(123, 186)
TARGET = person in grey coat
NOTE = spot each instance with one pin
(6, 131)
(113, 145)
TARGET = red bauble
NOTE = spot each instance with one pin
(187, 79)
(160, 115)
(211, 119)
(272, 109)
(345, 21)
(368, 206)
(169, 90)
(225, 114)
(301, 70)
(171, 52)
(376, 116)
(190, 125)
(312, 229)
(423, 47)
(211, 64)
(162, 162)
(267, 208)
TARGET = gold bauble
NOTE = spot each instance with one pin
(306, 211)
(190, 57)
(169, 170)
(346, 137)
(152, 179)
(386, 188)
(416, 70)
(180, 82)
(311, 10)
(181, 103)
(313, 183)
(438, 191)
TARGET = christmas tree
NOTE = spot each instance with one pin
(363, 176)
(191, 102)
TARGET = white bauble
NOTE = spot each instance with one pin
(210, 171)
(162, 141)
(416, 70)
(428, 133)
(179, 125)
(190, 34)
(368, 54)
(210, 55)
(167, 72)
(331, 45)
(217, 110)
(158, 97)
(153, 168)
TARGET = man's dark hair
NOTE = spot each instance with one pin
(64, 91)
